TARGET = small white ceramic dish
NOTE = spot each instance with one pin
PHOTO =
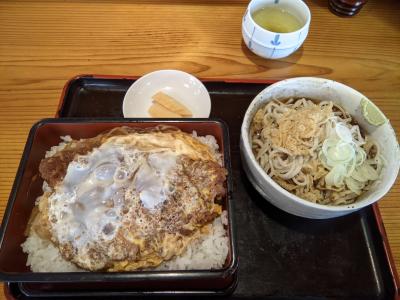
(270, 44)
(353, 102)
(182, 86)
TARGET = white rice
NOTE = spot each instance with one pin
(53, 150)
(207, 252)
(43, 256)
(212, 143)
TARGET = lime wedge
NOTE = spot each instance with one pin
(372, 113)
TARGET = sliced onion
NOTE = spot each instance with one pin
(347, 161)
(357, 175)
(350, 167)
(329, 142)
(337, 152)
(369, 172)
(354, 185)
(336, 176)
(360, 156)
(365, 173)
(323, 160)
(344, 133)
(343, 152)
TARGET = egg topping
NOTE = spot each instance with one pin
(129, 200)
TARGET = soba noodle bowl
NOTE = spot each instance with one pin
(315, 150)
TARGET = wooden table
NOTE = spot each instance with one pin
(44, 43)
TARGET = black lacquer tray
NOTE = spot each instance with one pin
(280, 256)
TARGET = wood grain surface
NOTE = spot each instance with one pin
(45, 43)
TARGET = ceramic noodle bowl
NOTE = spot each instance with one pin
(359, 107)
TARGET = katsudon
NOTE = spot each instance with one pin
(129, 199)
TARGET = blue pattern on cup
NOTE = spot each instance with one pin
(276, 41)
(272, 54)
(250, 42)
(245, 15)
(299, 37)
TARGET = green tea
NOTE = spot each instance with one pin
(276, 20)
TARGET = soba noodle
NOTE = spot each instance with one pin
(314, 150)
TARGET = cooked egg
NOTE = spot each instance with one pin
(88, 205)
(116, 205)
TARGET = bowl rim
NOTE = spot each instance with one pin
(260, 172)
(169, 72)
